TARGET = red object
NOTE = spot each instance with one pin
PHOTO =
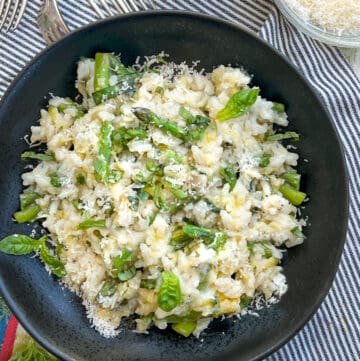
(9, 339)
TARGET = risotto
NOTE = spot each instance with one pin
(166, 194)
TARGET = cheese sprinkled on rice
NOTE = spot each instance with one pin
(158, 183)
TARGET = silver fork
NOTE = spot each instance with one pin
(51, 23)
(12, 9)
(112, 7)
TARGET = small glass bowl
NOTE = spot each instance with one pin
(331, 38)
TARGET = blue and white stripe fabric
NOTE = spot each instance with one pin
(333, 334)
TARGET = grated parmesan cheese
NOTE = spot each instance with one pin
(337, 16)
(254, 210)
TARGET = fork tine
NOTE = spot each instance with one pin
(96, 8)
(6, 13)
(15, 8)
(2, 4)
(152, 3)
(106, 6)
(21, 13)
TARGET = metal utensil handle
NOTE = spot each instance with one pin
(51, 23)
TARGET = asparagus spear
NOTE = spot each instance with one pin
(125, 85)
(38, 156)
(102, 71)
(281, 136)
(27, 198)
(122, 135)
(106, 65)
(293, 179)
(292, 195)
(69, 103)
(196, 124)
(184, 328)
(28, 214)
(148, 117)
(102, 161)
(178, 192)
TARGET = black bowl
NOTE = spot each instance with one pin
(55, 317)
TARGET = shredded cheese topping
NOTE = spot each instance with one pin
(119, 239)
(337, 16)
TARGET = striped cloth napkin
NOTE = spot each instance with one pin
(333, 334)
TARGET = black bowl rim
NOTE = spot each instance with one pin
(42, 339)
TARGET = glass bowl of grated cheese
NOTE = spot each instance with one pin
(335, 22)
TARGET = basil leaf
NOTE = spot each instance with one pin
(229, 176)
(134, 203)
(212, 206)
(92, 224)
(159, 203)
(179, 239)
(55, 180)
(238, 104)
(217, 241)
(38, 156)
(143, 195)
(118, 67)
(169, 295)
(172, 157)
(123, 265)
(245, 301)
(55, 265)
(154, 168)
(213, 238)
(18, 244)
(264, 160)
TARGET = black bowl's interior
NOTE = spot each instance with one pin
(55, 316)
